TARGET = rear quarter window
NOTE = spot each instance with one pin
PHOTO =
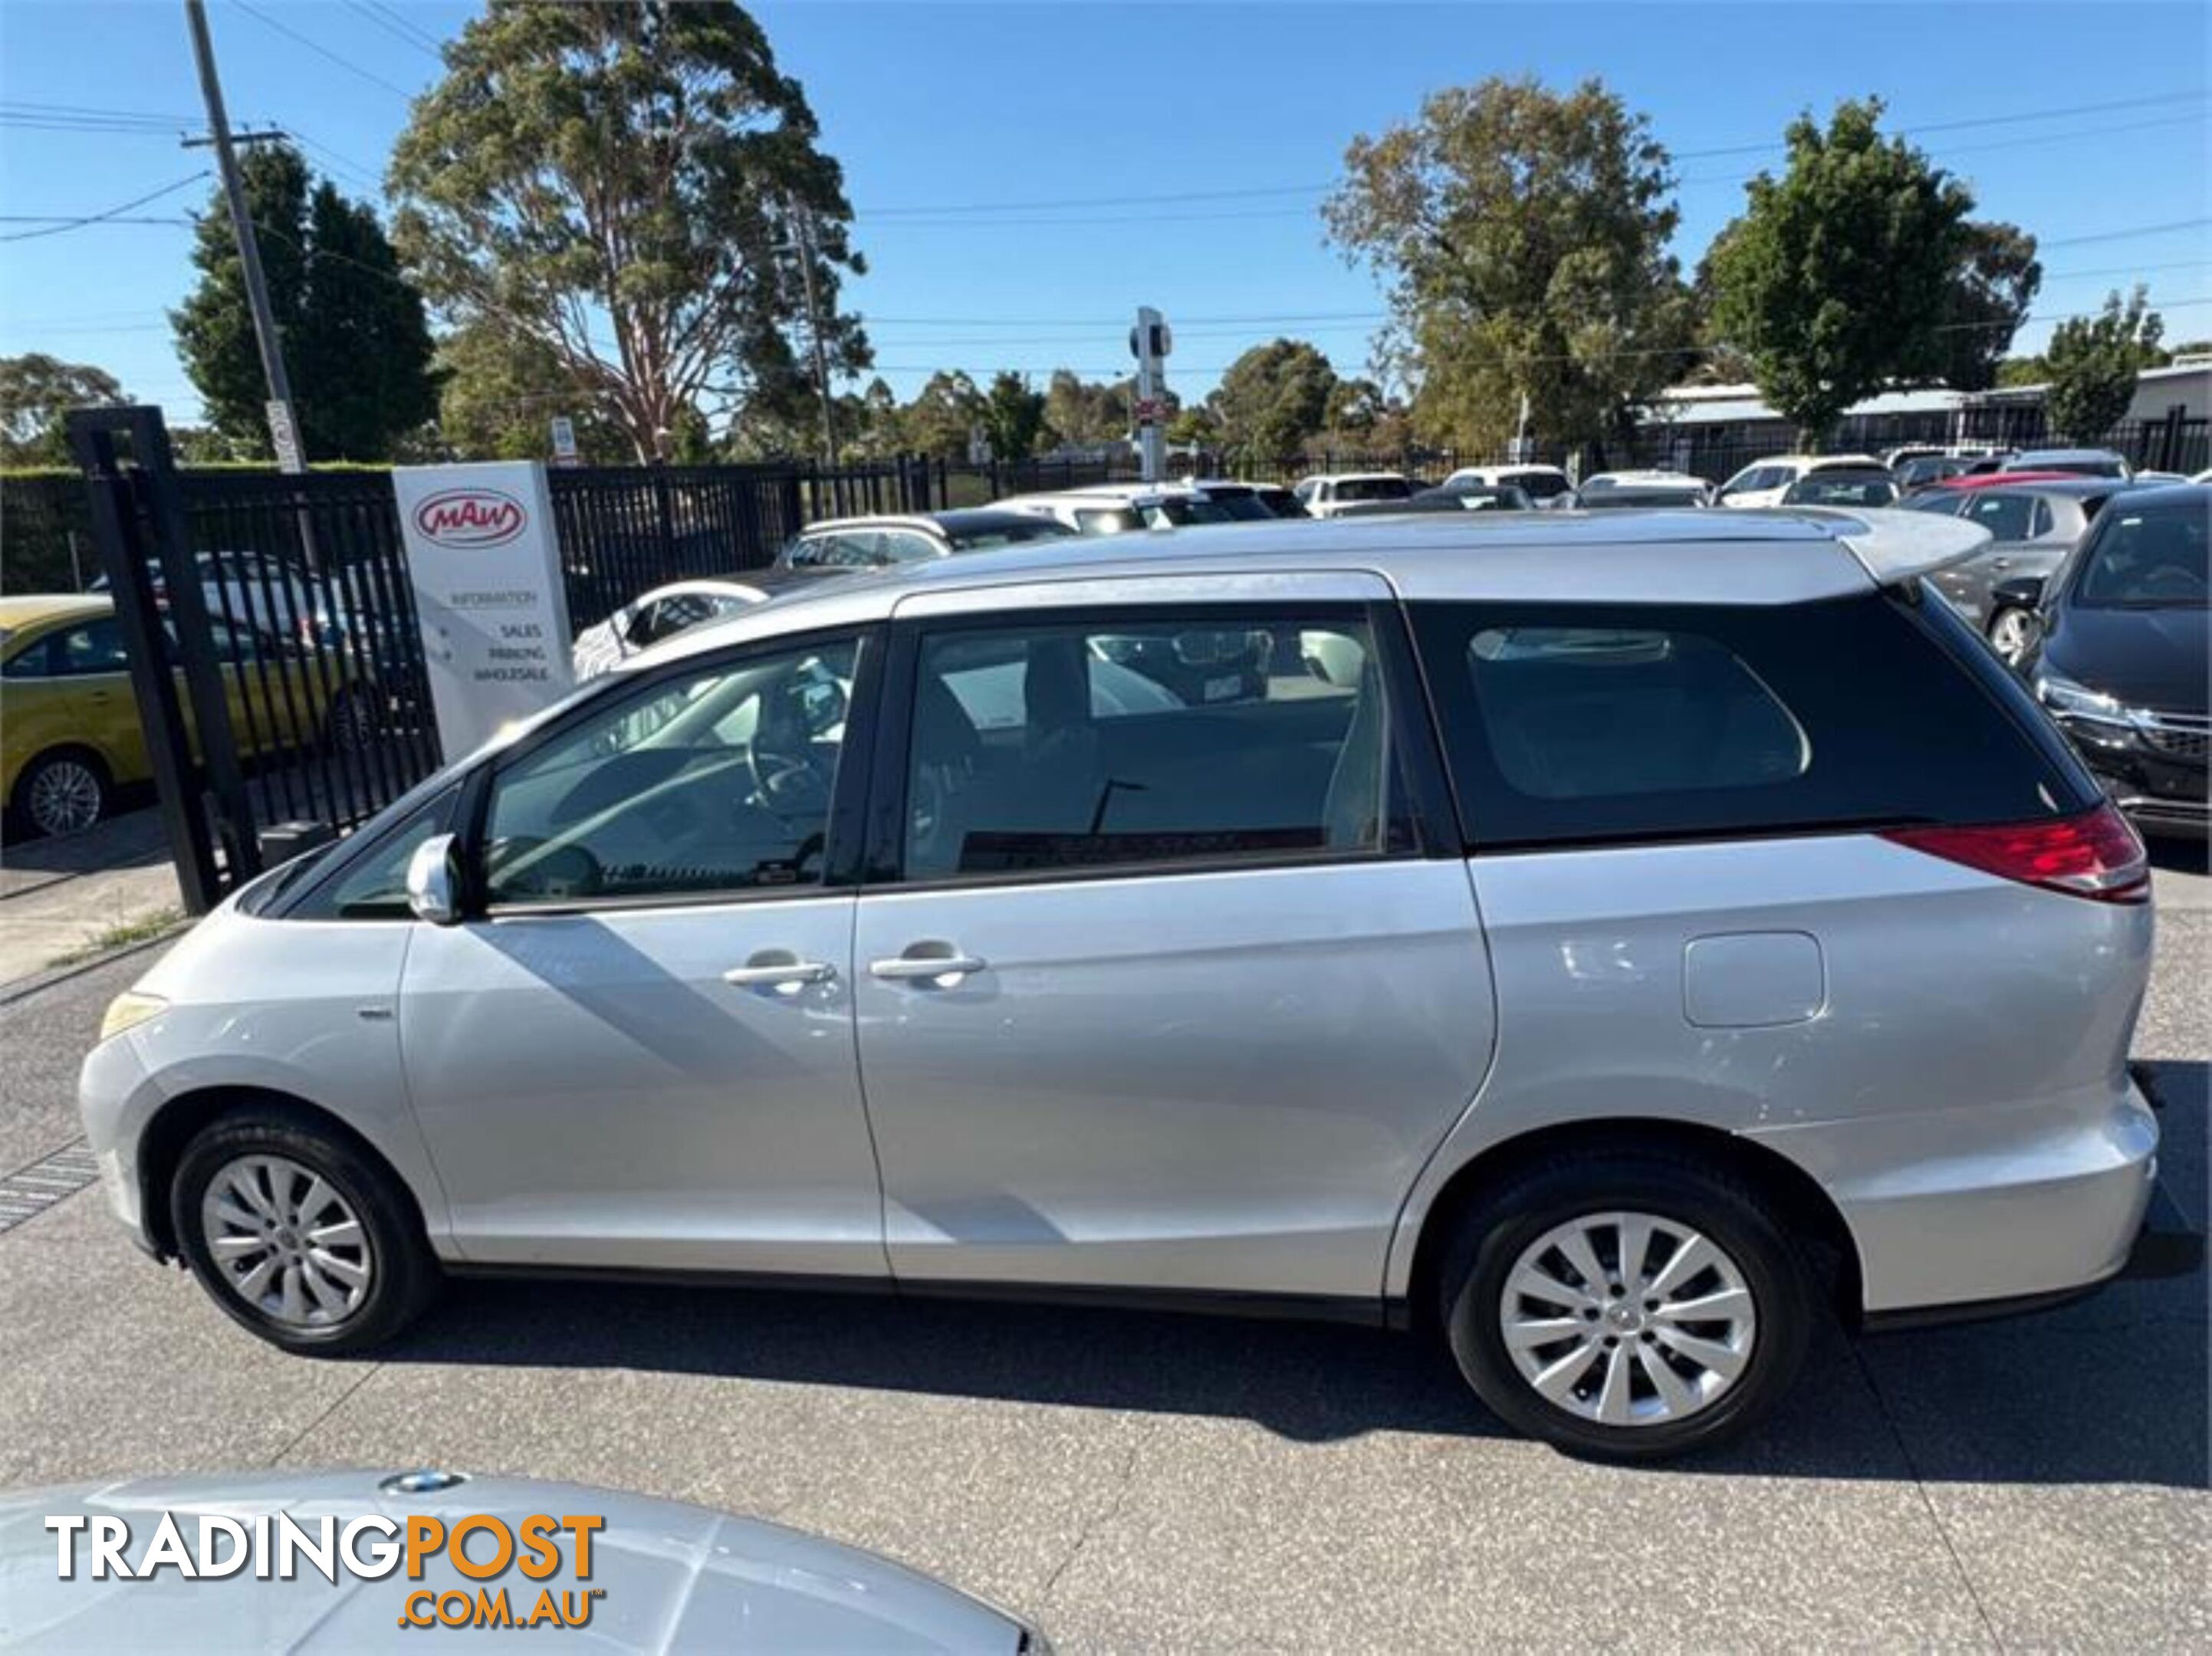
(1574, 724)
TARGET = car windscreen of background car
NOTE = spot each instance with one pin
(1012, 534)
(1373, 489)
(1586, 723)
(1818, 490)
(1539, 485)
(2146, 558)
(1242, 504)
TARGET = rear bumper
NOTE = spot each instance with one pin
(1962, 1207)
(2166, 1246)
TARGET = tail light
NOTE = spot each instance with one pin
(2097, 854)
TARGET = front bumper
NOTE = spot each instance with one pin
(2156, 771)
(115, 1098)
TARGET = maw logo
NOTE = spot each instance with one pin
(466, 519)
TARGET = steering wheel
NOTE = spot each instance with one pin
(786, 783)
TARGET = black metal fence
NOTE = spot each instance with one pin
(270, 628)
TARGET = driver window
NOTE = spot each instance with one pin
(717, 781)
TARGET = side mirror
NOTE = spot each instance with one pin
(431, 881)
(2022, 593)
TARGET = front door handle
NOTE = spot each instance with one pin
(778, 969)
(931, 963)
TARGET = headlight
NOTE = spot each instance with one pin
(128, 1010)
(2062, 695)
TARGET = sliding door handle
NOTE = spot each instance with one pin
(928, 963)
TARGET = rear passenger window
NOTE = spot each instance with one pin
(1588, 723)
(2005, 516)
(1585, 712)
(1158, 740)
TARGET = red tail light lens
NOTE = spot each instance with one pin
(2097, 854)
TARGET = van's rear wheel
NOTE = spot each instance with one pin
(1628, 1307)
(298, 1235)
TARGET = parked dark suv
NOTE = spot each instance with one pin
(2119, 656)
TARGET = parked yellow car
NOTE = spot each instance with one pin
(69, 734)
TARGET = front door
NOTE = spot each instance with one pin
(1165, 992)
(639, 1051)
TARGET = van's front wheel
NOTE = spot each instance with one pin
(298, 1235)
(1628, 1307)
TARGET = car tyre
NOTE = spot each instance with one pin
(349, 726)
(63, 792)
(270, 1164)
(1685, 1199)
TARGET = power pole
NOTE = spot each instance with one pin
(283, 423)
(805, 218)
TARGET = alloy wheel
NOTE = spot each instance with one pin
(1628, 1318)
(286, 1242)
(64, 796)
(2008, 635)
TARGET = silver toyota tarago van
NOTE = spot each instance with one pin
(1607, 941)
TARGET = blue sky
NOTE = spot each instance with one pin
(953, 122)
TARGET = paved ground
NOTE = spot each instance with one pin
(1160, 1483)
(58, 895)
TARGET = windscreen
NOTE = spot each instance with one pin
(2146, 558)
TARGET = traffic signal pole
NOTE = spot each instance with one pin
(1150, 343)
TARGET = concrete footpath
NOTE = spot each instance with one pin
(61, 897)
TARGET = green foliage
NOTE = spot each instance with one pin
(1273, 399)
(1524, 232)
(1992, 288)
(2094, 363)
(354, 333)
(1079, 411)
(1012, 418)
(942, 415)
(362, 369)
(631, 187)
(1838, 278)
(499, 394)
(35, 391)
(1195, 426)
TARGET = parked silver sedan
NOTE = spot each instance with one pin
(2032, 527)
(1575, 962)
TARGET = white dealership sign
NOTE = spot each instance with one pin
(485, 565)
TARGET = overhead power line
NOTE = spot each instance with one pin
(318, 49)
(407, 35)
(407, 25)
(1766, 146)
(108, 214)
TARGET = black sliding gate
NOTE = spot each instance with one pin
(274, 650)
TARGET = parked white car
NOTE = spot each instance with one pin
(1763, 483)
(1326, 494)
(1544, 486)
(1118, 509)
(662, 613)
(2083, 462)
(1657, 479)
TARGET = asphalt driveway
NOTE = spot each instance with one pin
(1161, 1482)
